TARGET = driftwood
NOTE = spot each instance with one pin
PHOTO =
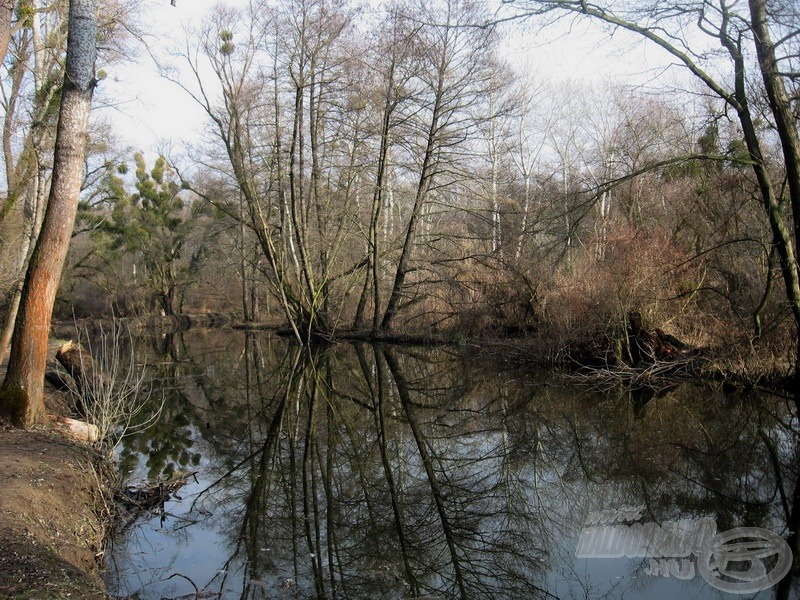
(150, 494)
(644, 359)
(134, 500)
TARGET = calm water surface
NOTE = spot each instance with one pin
(361, 471)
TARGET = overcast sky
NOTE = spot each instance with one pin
(149, 111)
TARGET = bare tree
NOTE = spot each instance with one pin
(393, 66)
(281, 102)
(497, 132)
(532, 129)
(21, 398)
(676, 29)
(455, 71)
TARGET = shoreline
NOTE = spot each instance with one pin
(55, 509)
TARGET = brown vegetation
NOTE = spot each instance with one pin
(424, 190)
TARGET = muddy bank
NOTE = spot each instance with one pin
(51, 529)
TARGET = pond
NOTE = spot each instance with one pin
(361, 471)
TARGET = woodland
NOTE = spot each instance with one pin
(382, 170)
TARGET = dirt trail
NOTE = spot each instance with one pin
(51, 531)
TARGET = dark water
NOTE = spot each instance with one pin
(399, 473)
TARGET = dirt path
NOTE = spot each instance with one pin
(50, 533)
(51, 530)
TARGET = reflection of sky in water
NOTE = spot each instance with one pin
(506, 489)
(189, 542)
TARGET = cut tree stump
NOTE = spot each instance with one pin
(79, 365)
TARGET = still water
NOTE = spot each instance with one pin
(360, 471)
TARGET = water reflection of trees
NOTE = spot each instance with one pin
(371, 471)
(372, 477)
(168, 444)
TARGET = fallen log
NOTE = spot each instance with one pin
(78, 430)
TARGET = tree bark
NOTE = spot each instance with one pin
(786, 125)
(6, 16)
(21, 397)
(26, 175)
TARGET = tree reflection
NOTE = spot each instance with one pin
(168, 444)
(378, 471)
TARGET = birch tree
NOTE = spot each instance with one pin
(532, 127)
(502, 104)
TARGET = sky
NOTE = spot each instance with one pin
(147, 111)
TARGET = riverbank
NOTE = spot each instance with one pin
(747, 363)
(50, 529)
(51, 514)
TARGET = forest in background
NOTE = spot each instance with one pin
(387, 171)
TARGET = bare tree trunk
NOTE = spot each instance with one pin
(35, 204)
(426, 175)
(458, 71)
(404, 264)
(785, 242)
(786, 126)
(21, 397)
(6, 15)
(526, 209)
(28, 176)
(781, 108)
(391, 102)
(493, 150)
